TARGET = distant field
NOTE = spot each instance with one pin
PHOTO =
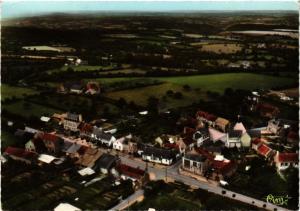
(215, 82)
(141, 95)
(222, 48)
(8, 91)
(29, 110)
(81, 68)
(219, 82)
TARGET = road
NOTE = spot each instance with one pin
(137, 196)
(172, 172)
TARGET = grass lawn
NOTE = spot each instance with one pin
(29, 109)
(8, 91)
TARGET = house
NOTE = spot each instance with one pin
(59, 118)
(234, 139)
(76, 88)
(206, 117)
(187, 137)
(89, 156)
(52, 142)
(274, 126)
(132, 147)
(286, 160)
(222, 124)
(245, 138)
(121, 144)
(20, 155)
(35, 145)
(159, 155)
(23, 135)
(66, 207)
(71, 149)
(214, 148)
(261, 148)
(106, 162)
(72, 121)
(85, 129)
(200, 136)
(218, 167)
(195, 163)
(216, 135)
(136, 175)
(92, 88)
(267, 110)
(101, 137)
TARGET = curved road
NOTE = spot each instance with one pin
(172, 172)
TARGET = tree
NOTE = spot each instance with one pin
(186, 87)
(121, 102)
(170, 92)
(153, 103)
(178, 95)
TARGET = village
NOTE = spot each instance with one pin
(150, 111)
(209, 149)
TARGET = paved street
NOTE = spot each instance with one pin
(172, 172)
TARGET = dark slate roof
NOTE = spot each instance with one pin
(254, 133)
(235, 133)
(74, 148)
(158, 152)
(213, 146)
(100, 134)
(76, 86)
(195, 157)
(106, 161)
(73, 117)
(67, 145)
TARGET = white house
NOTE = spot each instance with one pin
(121, 144)
(103, 138)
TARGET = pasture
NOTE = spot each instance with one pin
(8, 91)
(221, 48)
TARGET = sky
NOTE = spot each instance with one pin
(12, 9)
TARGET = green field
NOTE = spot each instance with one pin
(216, 83)
(29, 109)
(81, 68)
(8, 91)
(219, 82)
(140, 95)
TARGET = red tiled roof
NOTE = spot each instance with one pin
(206, 115)
(85, 127)
(169, 145)
(264, 150)
(205, 153)
(50, 137)
(256, 141)
(264, 107)
(82, 150)
(19, 152)
(131, 171)
(288, 157)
